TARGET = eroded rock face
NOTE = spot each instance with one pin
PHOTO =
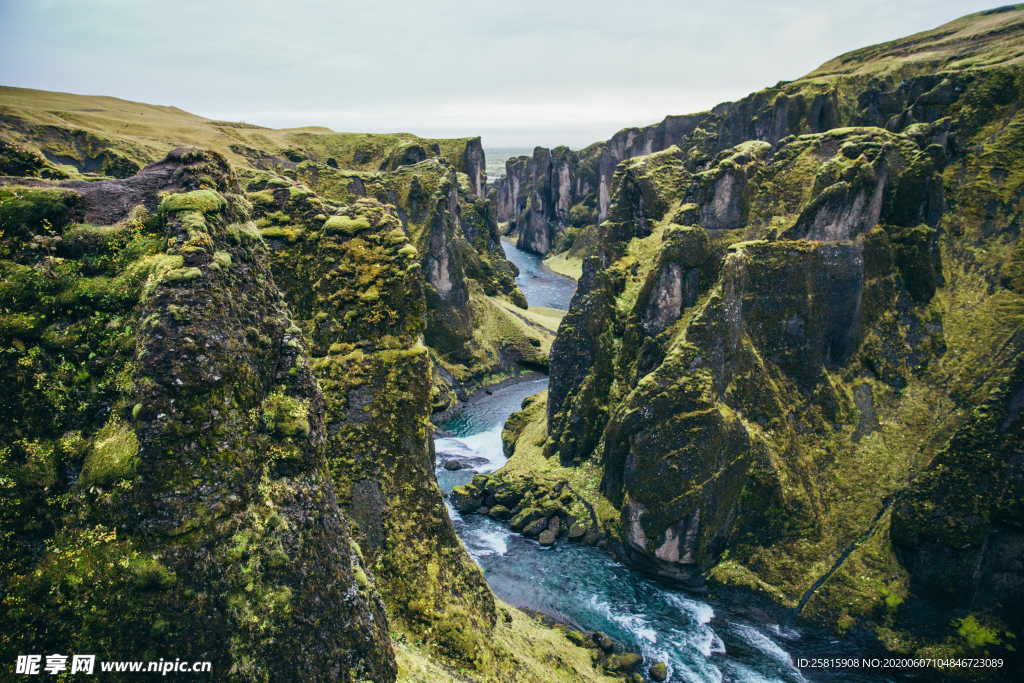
(537, 195)
(758, 336)
(677, 448)
(725, 210)
(581, 359)
(184, 169)
(475, 165)
(201, 507)
(376, 377)
(633, 142)
(455, 237)
(669, 299)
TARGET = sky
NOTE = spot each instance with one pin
(518, 73)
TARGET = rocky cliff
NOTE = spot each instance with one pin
(436, 187)
(795, 352)
(173, 484)
(539, 196)
(892, 85)
(216, 427)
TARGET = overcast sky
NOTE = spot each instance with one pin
(517, 72)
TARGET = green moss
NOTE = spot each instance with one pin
(245, 234)
(203, 201)
(114, 455)
(732, 573)
(346, 225)
(519, 648)
(181, 275)
(28, 211)
(41, 461)
(288, 233)
(624, 663)
(286, 415)
(223, 258)
(975, 634)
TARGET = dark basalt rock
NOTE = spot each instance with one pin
(462, 463)
(199, 485)
(762, 307)
(183, 169)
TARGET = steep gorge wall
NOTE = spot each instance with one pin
(354, 281)
(538, 194)
(796, 358)
(173, 486)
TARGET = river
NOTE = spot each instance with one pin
(585, 586)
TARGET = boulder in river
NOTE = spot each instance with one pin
(603, 641)
(526, 517)
(466, 499)
(550, 535)
(454, 463)
(624, 663)
(500, 512)
(535, 528)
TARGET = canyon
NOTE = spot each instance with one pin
(310, 405)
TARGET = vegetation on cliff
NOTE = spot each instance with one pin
(219, 410)
(794, 366)
(794, 352)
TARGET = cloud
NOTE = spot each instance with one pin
(524, 73)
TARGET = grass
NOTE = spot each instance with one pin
(528, 460)
(525, 650)
(565, 263)
(144, 133)
(539, 321)
(114, 455)
(979, 39)
(504, 327)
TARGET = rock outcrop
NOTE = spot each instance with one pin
(852, 90)
(354, 283)
(540, 196)
(794, 350)
(216, 425)
(537, 197)
(174, 484)
(455, 236)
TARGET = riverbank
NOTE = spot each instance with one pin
(565, 265)
(727, 634)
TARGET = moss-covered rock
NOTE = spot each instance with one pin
(788, 356)
(203, 201)
(177, 481)
(114, 455)
(452, 238)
